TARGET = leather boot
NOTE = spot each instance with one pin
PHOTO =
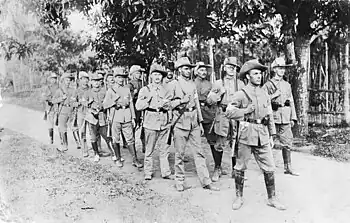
(51, 135)
(216, 173)
(95, 148)
(77, 139)
(125, 144)
(271, 192)
(64, 146)
(84, 145)
(135, 161)
(116, 148)
(239, 183)
(233, 159)
(287, 160)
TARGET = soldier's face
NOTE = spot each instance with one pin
(170, 75)
(119, 80)
(280, 71)
(53, 80)
(84, 81)
(157, 77)
(110, 80)
(230, 70)
(67, 81)
(138, 75)
(96, 83)
(254, 76)
(185, 71)
(202, 72)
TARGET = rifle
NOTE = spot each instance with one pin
(110, 121)
(60, 106)
(46, 112)
(181, 112)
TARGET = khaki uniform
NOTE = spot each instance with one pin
(285, 113)
(253, 136)
(135, 87)
(187, 132)
(208, 110)
(156, 126)
(51, 109)
(119, 100)
(223, 127)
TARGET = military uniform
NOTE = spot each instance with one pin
(256, 127)
(283, 114)
(51, 110)
(66, 99)
(187, 131)
(222, 94)
(156, 124)
(120, 102)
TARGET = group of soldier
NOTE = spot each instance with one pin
(235, 114)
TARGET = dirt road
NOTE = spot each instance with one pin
(320, 194)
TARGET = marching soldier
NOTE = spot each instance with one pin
(66, 99)
(154, 100)
(208, 110)
(81, 111)
(222, 94)
(50, 110)
(252, 108)
(120, 101)
(136, 73)
(96, 116)
(283, 111)
(188, 126)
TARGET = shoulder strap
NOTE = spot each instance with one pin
(246, 94)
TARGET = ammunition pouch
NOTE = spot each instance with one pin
(275, 105)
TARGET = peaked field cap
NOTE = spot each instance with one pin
(231, 61)
(250, 65)
(83, 74)
(120, 71)
(53, 75)
(66, 75)
(96, 76)
(201, 64)
(135, 68)
(183, 61)
(158, 68)
(280, 62)
(100, 72)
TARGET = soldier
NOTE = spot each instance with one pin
(136, 73)
(119, 99)
(252, 108)
(48, 94)
(154, 100)
(283, 111)
(80, 112)
(66, 100)
(221, 94)
(188, 126)
(96, 116)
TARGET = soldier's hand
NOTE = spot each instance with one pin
(185, 99)
(202, 129)
(133, 123)
(292, 123)
(64, 96)
(250, 109)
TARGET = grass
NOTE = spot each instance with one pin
(27, 99)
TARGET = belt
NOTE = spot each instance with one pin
(122, 107)
(188, 109)
(156, 110)
(263, 121)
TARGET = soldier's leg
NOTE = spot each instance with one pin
(151, 138)
(103, 133)
(217, 152)
(50, 122)
(130, 140)
(264, 158)
(138, 122)
(125, 145)
(116, 131)
(286, 139)
(180, 141)
(211, 139)
(164, 152)
(82, 129)
(93, 129)
(243, 157)
(62, 127)
(199, 158)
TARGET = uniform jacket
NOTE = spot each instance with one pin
(95, 113)
(66, 105)
(48, 95)
(226, 89)
(81, 91)
(251, 133)
(120, 102)
(189, 119)
(157, 93)
(208, 110)
(285, 114)
(135, 86)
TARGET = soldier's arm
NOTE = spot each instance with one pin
(110, 99)
(175, 96)
(235, 110)
(196, 100)
(292, 106)
(215, 93)
(143, 99)
(132, 108)
(58, 97)
(271, 123)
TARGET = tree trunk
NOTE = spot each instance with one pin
(300, 91)
(346, 105)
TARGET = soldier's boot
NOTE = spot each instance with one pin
(239, 183)
(77, 139)
(135, 161)
(116, 148)
(125, 144)
(64, 146)
(287, 160)
(271, 192)
(111, 150)
(51, 135)
(95, 148)
(216, 173)
(143, 145)
(221, 170)
(233, 159)
(84, 145)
